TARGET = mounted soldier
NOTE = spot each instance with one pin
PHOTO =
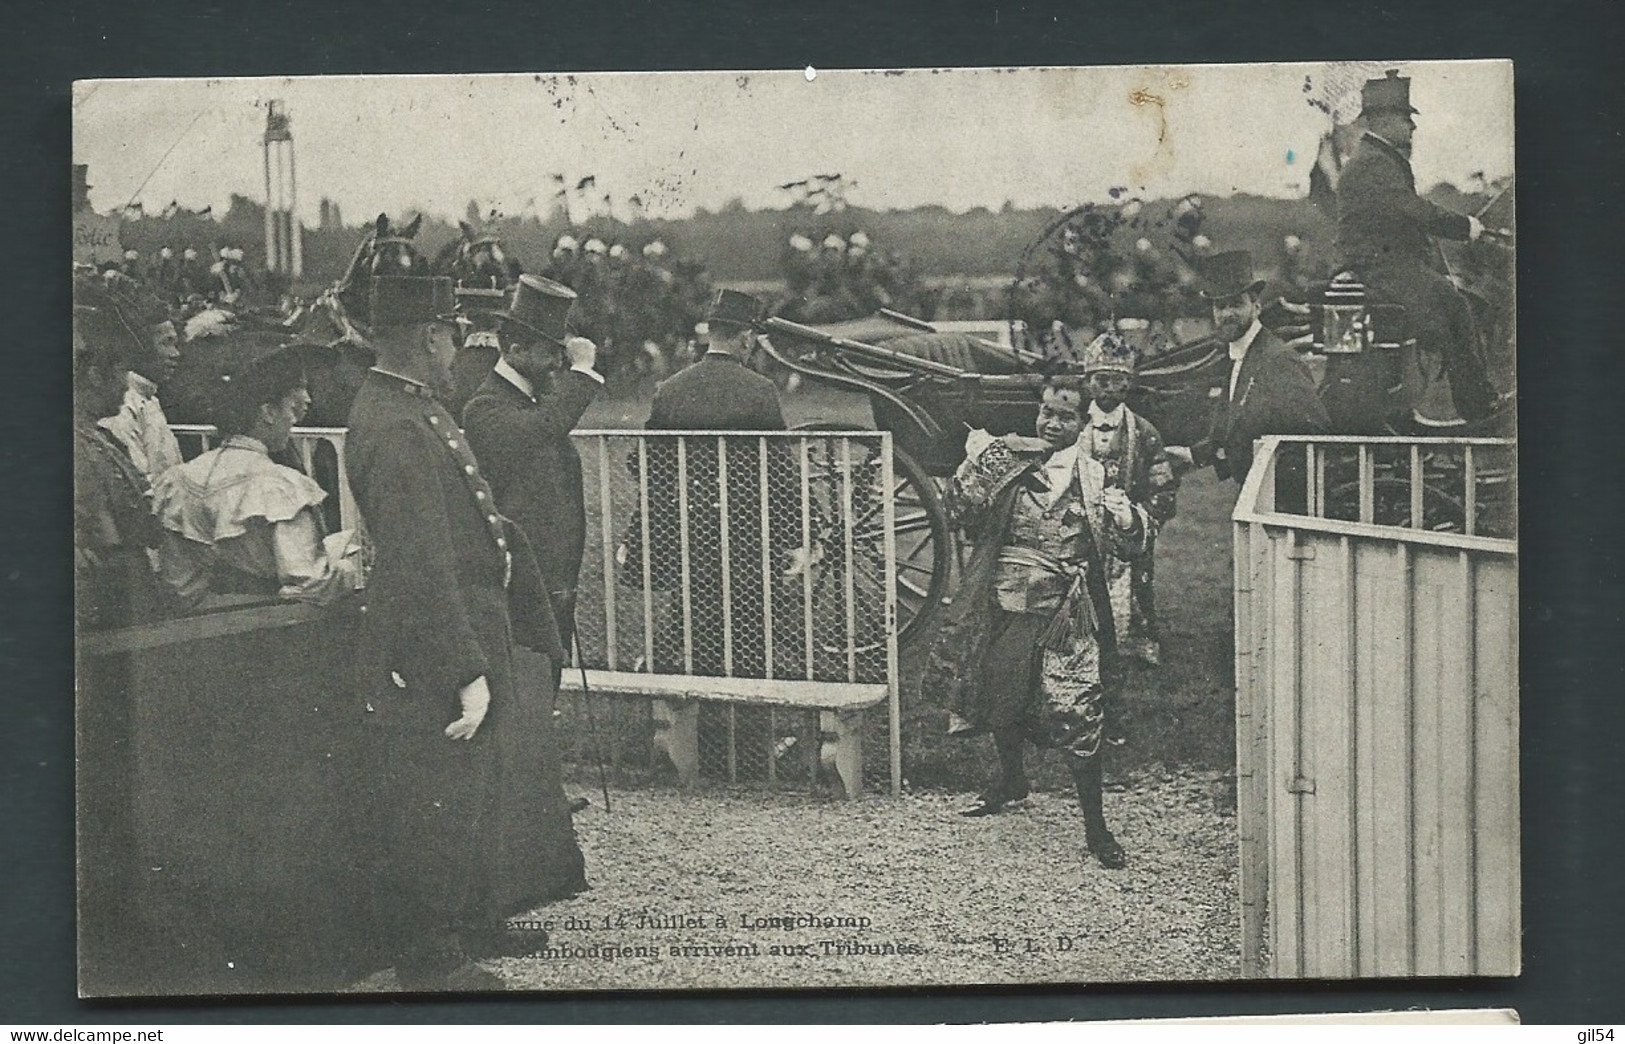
(1385, 234)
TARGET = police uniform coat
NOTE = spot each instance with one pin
(1275, 395)
(535, 472)
(463, 833)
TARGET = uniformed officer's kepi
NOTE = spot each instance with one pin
(734, 308)
(1229, 274)
(1392, 93)
(409, 300)
(541, 306)
(1109, 353)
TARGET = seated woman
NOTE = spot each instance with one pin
(1026, 651)
(237, 522)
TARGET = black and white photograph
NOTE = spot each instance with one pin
(795, 529)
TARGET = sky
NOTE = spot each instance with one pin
(681, 141)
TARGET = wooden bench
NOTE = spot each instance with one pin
(677, 697)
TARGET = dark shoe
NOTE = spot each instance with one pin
(1107, 850)
(579, 804)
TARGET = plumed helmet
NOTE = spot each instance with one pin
(860, 239)
(655, 249)
(1143, 245)
(594, 246)
(1201, 242)
(1291, 243)
(165, 253)
(834, 242)
(617, 251)
(566, 242)
(132, 255)
(190, 253)
(1109, 353)
(800, 243)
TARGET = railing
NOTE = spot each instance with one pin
(1440, 491)
(321, 455)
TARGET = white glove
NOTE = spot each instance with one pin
(581, 353)
(1475, 227)
(475, 698)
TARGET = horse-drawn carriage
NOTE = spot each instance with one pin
(929, 387)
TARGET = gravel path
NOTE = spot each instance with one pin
(927, 896)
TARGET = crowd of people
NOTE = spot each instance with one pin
(845, 277)
(475, 526)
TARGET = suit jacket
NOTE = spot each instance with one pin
(534, 469)
(1136, 462)
(437, 605)
(1380, 218)
(1275, 395)
(717, 392)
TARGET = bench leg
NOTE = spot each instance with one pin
(677, 735)
(840, 748)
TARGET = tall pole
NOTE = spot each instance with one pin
(295, 234)
(270, 215)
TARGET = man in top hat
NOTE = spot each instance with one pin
(1269, 390)
(465, 828)
(1385, 231)
(1130, 449)
(519, 423)
(719, 391)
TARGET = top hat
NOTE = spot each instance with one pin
(1229, 274)
(733, 308)
(1109, 353)
(540, 306)
(1392, 93)
(409, 300)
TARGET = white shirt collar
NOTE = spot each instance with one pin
(143, 387)
(247, 442)
(1238, 349)
(515, 378)
(1113, 419)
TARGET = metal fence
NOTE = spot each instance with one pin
(764, 558)
(1376, 595)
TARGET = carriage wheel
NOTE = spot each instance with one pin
(924, 543)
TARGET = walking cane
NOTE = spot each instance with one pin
(592, 719)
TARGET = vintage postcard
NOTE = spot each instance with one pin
(799, 528)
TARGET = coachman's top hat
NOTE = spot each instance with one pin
(1229, 274)
(1392, 93)
(1109, 353)
(734, 308)
(409, 300)
(540, 306)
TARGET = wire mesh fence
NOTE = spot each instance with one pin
(734, 555)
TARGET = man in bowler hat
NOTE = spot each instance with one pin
(1269, 390)
(1385, 231)
(462, 830)
(519, 423)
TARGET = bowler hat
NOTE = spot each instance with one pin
(1229, 274)
(540, 306)
(1392, 93)
(409, 300)
(734, 308)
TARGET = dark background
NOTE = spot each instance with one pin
(1569, 171)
